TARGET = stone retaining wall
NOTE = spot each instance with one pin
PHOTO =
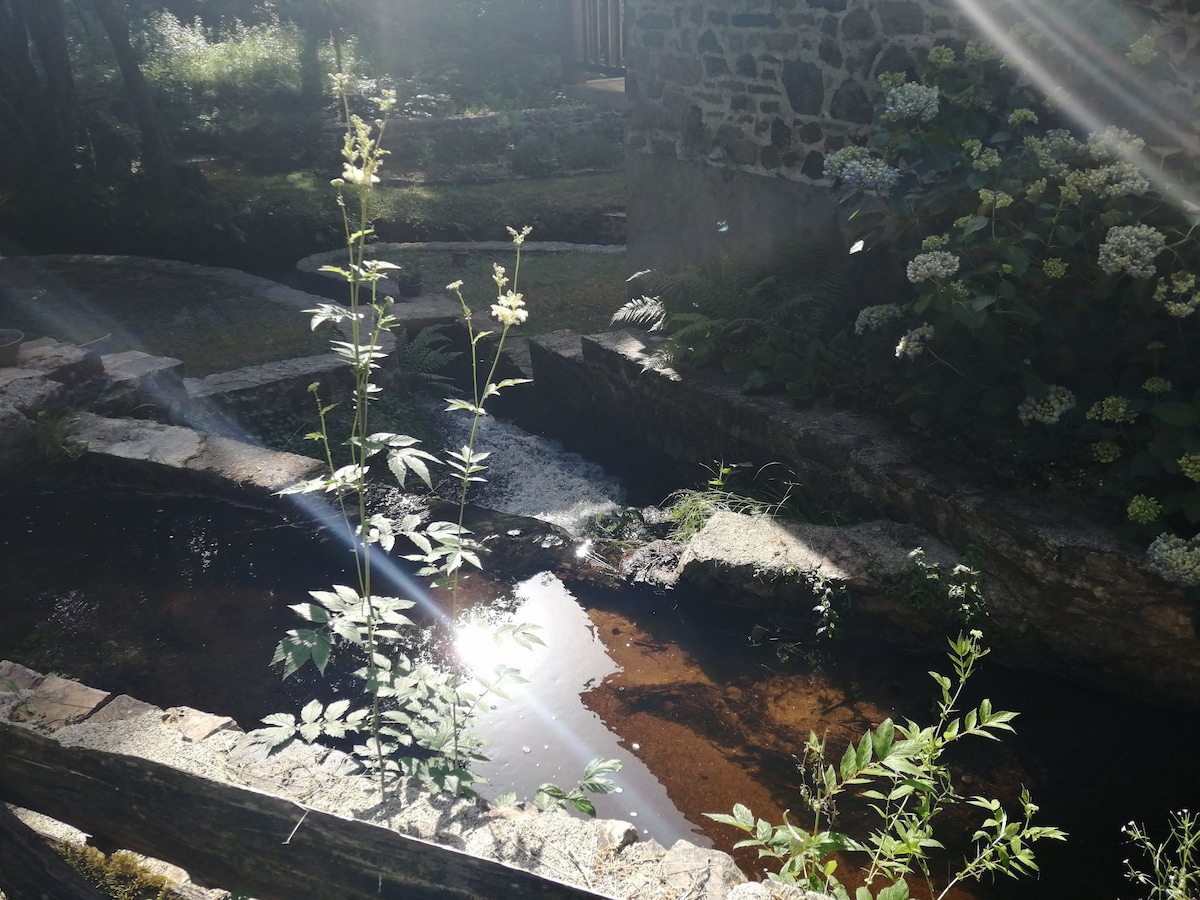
(767, 87)
(1064, 596)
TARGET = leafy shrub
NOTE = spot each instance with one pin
(1053, 284)
(532, 156)
(766, 329)
(1044, 318)
(910, 787)
(582, 148)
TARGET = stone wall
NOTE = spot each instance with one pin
(1064, 596)
(766, 87)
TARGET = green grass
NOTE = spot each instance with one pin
(193, 317)
(574, 290)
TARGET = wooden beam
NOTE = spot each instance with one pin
(239, 839)
(31, 870)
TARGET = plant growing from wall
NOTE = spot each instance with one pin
(1051, 316)
(909, 787)
(418, 718)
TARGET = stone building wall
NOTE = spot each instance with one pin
(721, 89)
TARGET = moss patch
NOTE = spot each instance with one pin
(120, 876)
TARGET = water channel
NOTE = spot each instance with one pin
(180, 600)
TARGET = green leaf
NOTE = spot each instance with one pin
(974, 224)
(898, 890)
(1181, 414)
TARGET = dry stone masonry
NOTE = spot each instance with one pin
(723, 90)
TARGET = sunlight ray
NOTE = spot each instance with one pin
(1066, 39)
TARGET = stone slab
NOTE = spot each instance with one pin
(12, 673)
(121, 708)
(196, 726)
(56, 702)
(132, 365)
(246, 464)
(65, 363)
(769, 558)
(168, 445)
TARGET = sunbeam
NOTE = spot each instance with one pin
(1063, 39)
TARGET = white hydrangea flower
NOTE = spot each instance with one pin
(873, 316)
(917, 102)
(1131, 248)
(913, 342)
(933, 264)
(1049, 410)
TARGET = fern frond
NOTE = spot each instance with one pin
(648, 311)
(423, 357)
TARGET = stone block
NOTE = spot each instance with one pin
(29, 391)
(64, 363)
(134, 439)
(195, 725)
(613, 834)
(135, 380)
(805, 86)
(121, 708)
(14, 674)
(56, 702)
(700, 872)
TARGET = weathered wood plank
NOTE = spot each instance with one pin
(31, 870)
(240, 839)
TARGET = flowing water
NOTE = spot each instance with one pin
(180, 600)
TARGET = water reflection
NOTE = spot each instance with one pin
(546, 733)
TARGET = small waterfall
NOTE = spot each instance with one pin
(534, 476)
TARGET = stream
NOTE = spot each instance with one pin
(180, 600)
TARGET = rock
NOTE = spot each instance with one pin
(134, 439)
(61, 362)
(121, 708)
(196, 726)
(699, 872)
(655, 563)
(772, 559)
(135, 380)
(613, 834)
(28, 391)
(14, 676)
(56, 702)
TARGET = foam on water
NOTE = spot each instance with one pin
(534, 476)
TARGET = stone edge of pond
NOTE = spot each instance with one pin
(1064, 597)
(603, 855)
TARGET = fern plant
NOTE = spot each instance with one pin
(423, 357)
(766, 328)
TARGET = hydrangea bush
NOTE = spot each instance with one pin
(1051, 313)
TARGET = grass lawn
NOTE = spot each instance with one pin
(574, 290)
(195, 317)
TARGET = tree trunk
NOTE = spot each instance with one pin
(38, 111)
(156, 162)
